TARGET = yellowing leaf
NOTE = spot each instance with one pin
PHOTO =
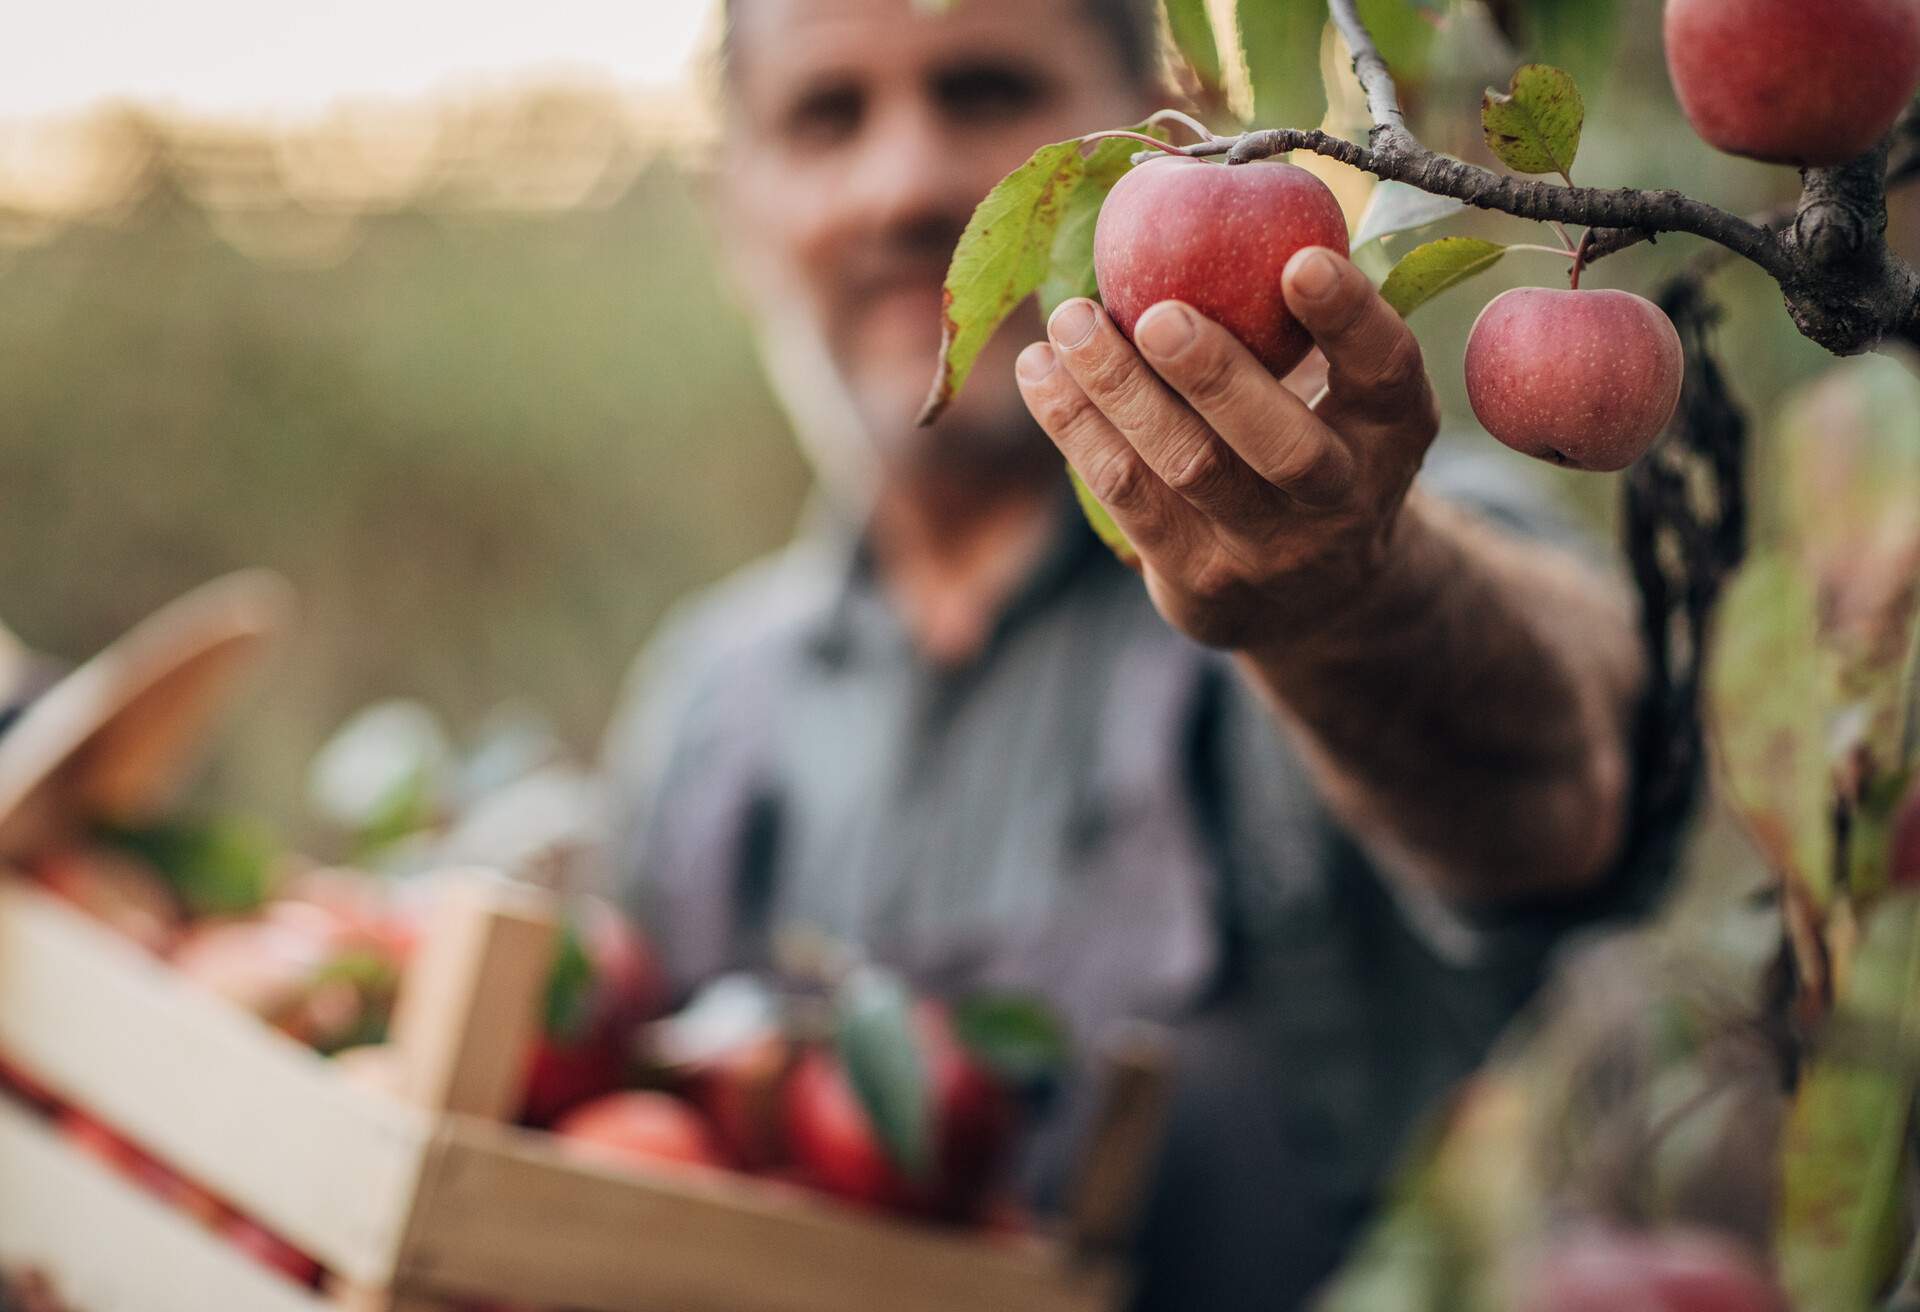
(1193, 36)
(1014, 243)
(1534, 127)
(1070, 263)
(1426, 271)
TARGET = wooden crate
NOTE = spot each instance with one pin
(420, 1197)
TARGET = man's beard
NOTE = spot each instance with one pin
(854, 437)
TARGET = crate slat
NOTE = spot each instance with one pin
(205, 1087)
(111, 1248)
(502, 1211)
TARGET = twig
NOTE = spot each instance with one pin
(1843, 287)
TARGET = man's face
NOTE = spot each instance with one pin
(861, 135)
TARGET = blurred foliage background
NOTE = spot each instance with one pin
(465, 373)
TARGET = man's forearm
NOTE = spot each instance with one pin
(1469, 713)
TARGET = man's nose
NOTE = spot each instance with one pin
(909, 172)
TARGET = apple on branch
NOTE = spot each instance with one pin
(1580, 378)
(1805, 82)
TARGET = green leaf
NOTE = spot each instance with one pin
(218, 867)
(1426, 271)
(569, 987)
(1281, 42)
(1016, 1036)
(1102, 523)
(1193, 37)
(1766, 697)
(1396, 207)
(1009, 249)
(1070, 262)
(880, 1049)
(1534, 127)
(1844, 1147)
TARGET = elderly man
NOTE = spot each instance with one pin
(1323, 789)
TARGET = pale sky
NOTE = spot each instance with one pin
(296, 57)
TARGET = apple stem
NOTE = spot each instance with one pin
(1561, 229)
(1125, 134)
(1201, 132)
(1579, 259)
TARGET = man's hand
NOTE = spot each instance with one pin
(1462, 696)
(1257, 517)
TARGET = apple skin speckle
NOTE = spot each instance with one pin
(1585, 379)
(1216, 237)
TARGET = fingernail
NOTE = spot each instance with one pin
(1164, 330)
(1035, 363)
(1071, 324)
(1314, 274)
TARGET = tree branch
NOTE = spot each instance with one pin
(1843, 287)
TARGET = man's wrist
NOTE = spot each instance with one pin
(1380, 605)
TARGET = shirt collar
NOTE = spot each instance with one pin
(858, 608)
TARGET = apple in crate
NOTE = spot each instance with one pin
(322, 978)
(605, 984)
(643, 1126)
(972, 1120)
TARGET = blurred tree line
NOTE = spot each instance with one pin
(488, 445)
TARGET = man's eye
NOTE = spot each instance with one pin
(824, 117)
(987, 92)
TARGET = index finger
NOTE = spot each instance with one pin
(1373, 361)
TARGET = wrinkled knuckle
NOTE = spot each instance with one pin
(1062, 410)
(1401, 365)
(1201, 472)
(1349, 313)
(1117, 479)
(1110, 375)
(1130, 398)
(1210, 379)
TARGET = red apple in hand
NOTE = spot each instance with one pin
(643, 1126)
(1806, 82)
(1580, 378)
(1217, 237)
